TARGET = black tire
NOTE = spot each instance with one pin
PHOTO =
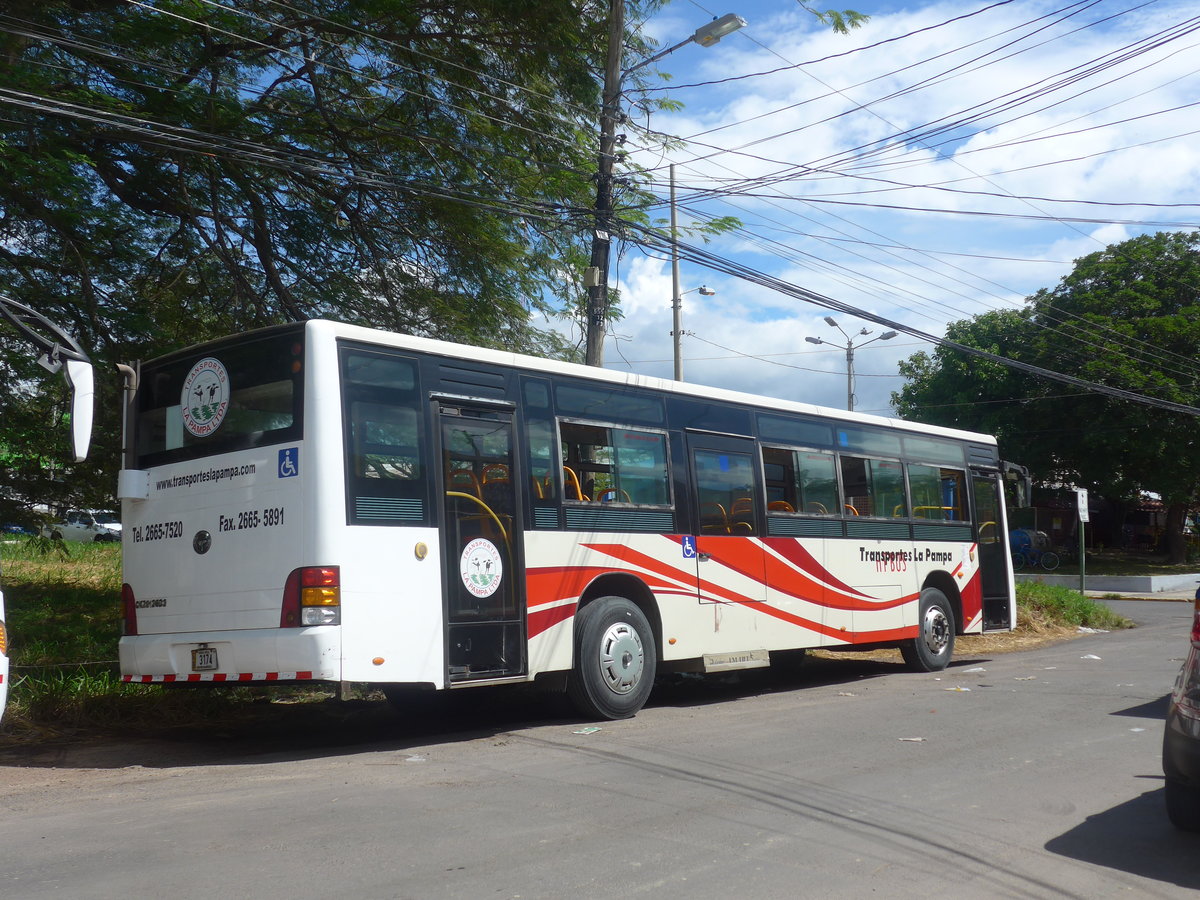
(1183, 805)
(1050, 560)
(934, 644)
(615, 659)
(1018, 560)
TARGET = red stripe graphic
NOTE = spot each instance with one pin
(795, 573)
(544, 619)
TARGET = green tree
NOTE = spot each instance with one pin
(1128, 317)
(176, 170)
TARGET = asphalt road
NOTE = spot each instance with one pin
(1032, 774)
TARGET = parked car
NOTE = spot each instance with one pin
(82, 525)
(1181, 739)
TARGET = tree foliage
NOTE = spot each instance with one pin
(180, 169)
(173, 170)
(1127, 316)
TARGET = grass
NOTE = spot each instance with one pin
(63, 617)
(1122, 562)
(1043, 605)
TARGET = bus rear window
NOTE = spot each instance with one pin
(246, 393)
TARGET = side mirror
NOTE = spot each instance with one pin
(81, 381)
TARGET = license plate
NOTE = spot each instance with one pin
(204, 659)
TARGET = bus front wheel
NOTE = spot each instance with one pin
(934, 644)
(615, 659)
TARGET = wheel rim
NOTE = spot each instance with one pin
(935, 630)
(622, 658)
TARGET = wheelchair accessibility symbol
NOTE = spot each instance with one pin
(688, 543)
(289, 462)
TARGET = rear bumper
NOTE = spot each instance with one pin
(251, 656)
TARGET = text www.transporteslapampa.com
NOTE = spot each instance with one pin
(207, 475)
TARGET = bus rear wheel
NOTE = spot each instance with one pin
(615, 659)
(933, 646)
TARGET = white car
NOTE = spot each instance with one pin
(79, 525)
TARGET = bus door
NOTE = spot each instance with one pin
(994, 563)
(727, 495)
(481, 555)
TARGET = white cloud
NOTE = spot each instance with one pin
(866, 255)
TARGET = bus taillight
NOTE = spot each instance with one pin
(312, 596)
(128, 611)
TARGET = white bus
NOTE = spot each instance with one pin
(58, 351)
(328, 503)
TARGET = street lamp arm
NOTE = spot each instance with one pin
(706, 35)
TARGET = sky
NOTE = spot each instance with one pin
(922, 169)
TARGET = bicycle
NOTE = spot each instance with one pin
(1033, 557)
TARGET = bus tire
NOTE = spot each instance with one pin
(615, 659)
(933, 646)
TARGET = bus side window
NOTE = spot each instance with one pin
(873, 487)
(386, 443)
(543, 474)
(801, 481)
(937, 493)
(602, 464)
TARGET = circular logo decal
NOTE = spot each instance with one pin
(205, 397)
(481, 567)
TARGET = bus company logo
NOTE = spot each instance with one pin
(205, 397)
(481, 567)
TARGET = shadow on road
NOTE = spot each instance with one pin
(272, 731)
(1134, 837)
(1154, 709)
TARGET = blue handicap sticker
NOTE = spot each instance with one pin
(289, 462)
(689, 546)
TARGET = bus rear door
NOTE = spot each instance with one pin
(991, 536)
(481, 556)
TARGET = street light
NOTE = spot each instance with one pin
(849, 348)
(677, 320)
(596, 276)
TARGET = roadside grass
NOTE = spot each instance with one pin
(63, 617)
(1122, 562)
(1041, 606)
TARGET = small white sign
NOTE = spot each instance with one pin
(1081, 497)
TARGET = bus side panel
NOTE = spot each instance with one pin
(699, 616)
(392, 619)
(867, 592)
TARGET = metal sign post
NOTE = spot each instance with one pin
(1081, 496)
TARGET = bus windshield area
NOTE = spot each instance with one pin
(195, 405)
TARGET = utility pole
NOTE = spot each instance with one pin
(596, 277)
(676, 297)
(597, 280)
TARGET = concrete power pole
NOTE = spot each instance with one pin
(597, 280)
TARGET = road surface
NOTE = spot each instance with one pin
(1032, 774)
